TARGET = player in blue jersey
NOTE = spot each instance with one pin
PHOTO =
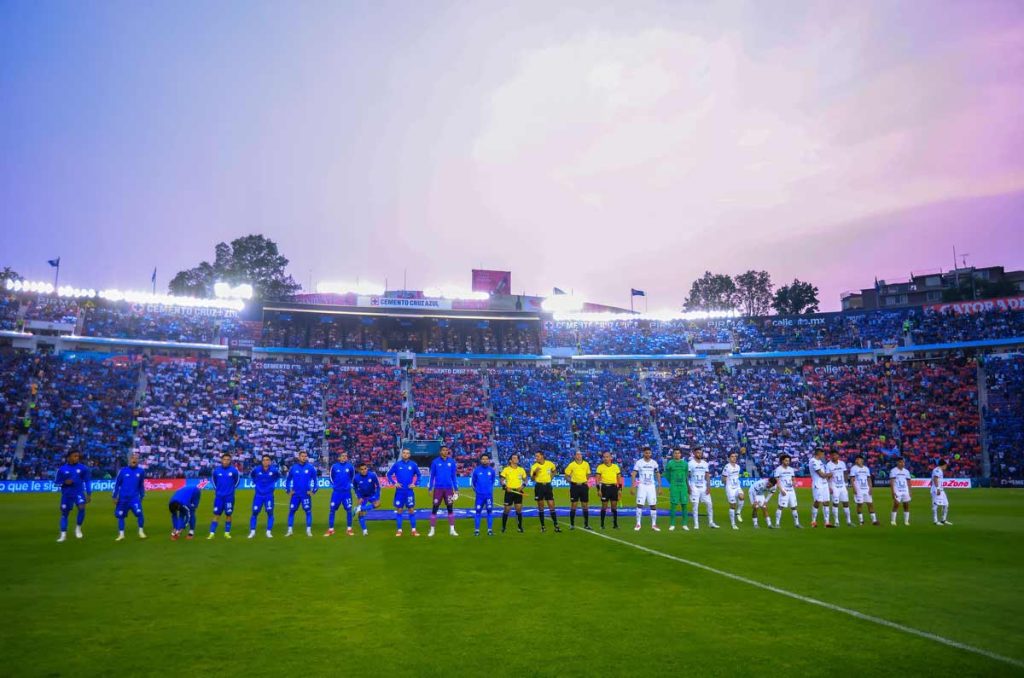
(483, 488)
(183, 506)
(404, 474)
(443, 484)
(264, 479)
(224, 479)
(129, 489)
(342, 473)
(73, 480)
(301, 486)
(367, 488)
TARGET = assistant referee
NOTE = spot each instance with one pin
(541, 472)
(578, 475)
(609, 475)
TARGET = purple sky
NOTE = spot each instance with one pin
(591, 146)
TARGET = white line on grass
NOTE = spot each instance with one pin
(821, 603)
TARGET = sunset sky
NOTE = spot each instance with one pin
(586, 145)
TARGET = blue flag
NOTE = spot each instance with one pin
(558, 291)
(54, 262)
(637, 293)
(152, 278)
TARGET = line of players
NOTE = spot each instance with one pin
(689, 482)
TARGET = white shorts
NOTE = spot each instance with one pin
(787, 500)
(758, 500)
(902, 496)
(840, 495)
(863, 497)
(646, 495)
(733, 494)
(698, 495)
(939, 498)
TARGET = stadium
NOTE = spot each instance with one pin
(443, 339)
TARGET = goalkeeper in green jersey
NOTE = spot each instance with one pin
(677, 473)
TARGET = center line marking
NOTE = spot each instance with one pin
(820, 603)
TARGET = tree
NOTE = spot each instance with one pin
(252, 259)
(796, 298)
(8, 273)
(754, 292)
(711, 292)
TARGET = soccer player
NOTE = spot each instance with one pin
(301, 485)
(129, 489)
(677, 474)
(820, 492)
(939, 500)
(733, 490)
(836, 469)
(760, 492)
(224, 479)
(264, 479)
(578, 475)
(646, 478)
(183, 506)
(609, 477)
(342, 474)
(367, 488)
(860, 475)
(899, 482)
(700, 488)
(541, 473)
(73, 479)
(404, 474)
(483, 490)
(787, 491)
(513, 477)
(443, 482)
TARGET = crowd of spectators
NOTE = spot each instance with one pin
(138, 323)
(531, 412)
(364, 412)
(692, 409)
(279, 410)
(14, 386)
(1004, 416)
(450, 405)
(620, 336)
(9, 312)
(932, 327)
(609, 413)
(78, 404)
(51, 309)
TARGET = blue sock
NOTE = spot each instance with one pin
(399, 517)
(476, 520)
(490, 520)
(412, 519)
(227, 527)
(213, 526)
(141, 518)
(63, 522)
(81, 517)
(120, 524)
(348, 518)
(330, 519)
(270, 520)
(362, 521)
(252, 522)
(309, 518)
(291, 519)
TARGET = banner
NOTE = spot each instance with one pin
(394, 302)
(979, 306)
(97, 486)
(492, 282)
(924, 483)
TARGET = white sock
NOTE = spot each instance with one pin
(778, 516)
(945, 513)
(846, 512)
(796, 517)
(732, 516)
(755, 521)
(894, 516)
(654, 516)
(768, 520)
(906, 517)
(935, 513)
(696, 515)
(874, 518)
(814, 514)
(639, 514)
(739, 508)
(835, 514)
(711, 513)
(860, 517)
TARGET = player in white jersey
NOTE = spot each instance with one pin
(787, 490)
(760, 492)
(700, 488)
(836, 469)
(646, 478)
(939, 500)
(819, 488)
(860, 476)
(733, 490)
(899, 481)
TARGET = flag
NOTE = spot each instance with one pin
(54, 262)
(637, 293)
(152, 278)
(558, 290)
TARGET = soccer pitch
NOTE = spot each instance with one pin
(515, 604)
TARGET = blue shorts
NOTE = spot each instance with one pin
(123, 508)
(405, 497)
(225, 505)
(303, 500)
(343, 500)
(263, 501)
(69, 501)
(483, 502)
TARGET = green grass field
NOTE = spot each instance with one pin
(516, 604)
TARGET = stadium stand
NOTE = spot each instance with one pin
(450, 405)
(531, 413)
(1004, 415)
(364, 412)
(609, 414)
(691, 409)
(279, 410)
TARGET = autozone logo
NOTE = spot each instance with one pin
(952, 483)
